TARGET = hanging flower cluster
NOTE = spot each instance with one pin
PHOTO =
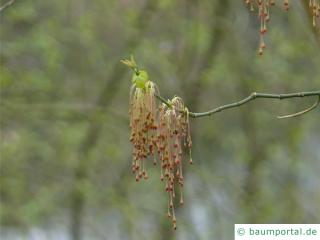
(264, 16)
(158, 132)
(174, 130)
(143, 112)
(264, 7)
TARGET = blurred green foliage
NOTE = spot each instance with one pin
(65, 153)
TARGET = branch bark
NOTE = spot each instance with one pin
(252, 97)
(7, 4)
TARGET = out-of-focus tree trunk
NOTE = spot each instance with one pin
(254, 157)
(204, 62)
(255, 152)
(294, 212)
(93, 131)
(193, 78)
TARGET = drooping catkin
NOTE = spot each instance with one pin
(159, 132)
(264, 15)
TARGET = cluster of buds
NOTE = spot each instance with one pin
(158, 130)
(315, 9)
(174, 132)
(264, 6)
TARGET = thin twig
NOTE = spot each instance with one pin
(302, 112)
(163, 100)
(252, 97)
(7, 4)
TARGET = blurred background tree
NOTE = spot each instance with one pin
(65, 153)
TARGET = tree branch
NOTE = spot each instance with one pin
(252, 97)
(7, 4)
(302, 112)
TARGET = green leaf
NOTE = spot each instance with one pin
(140, 79)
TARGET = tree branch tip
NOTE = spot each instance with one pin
(5, 5)
(256, 95)
(301, 112)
